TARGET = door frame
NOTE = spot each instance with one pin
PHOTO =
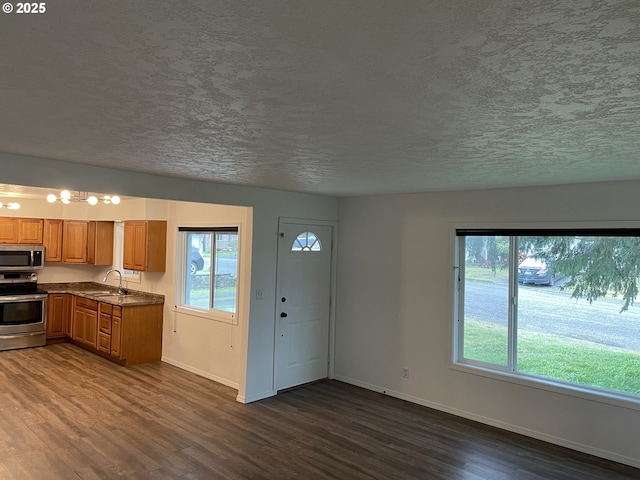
(332, 289)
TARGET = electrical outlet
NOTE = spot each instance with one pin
(260, 294)
(405, 372)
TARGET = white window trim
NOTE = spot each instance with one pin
(181, 271)
(503, 374)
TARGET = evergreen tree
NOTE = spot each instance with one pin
(594, 266)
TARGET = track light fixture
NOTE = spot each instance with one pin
(67, 197)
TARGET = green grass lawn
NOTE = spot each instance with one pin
(576, 361)
(473, 273)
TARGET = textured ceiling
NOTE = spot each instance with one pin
(332, 97)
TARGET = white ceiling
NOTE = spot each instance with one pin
(340, 97)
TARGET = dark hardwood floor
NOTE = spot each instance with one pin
(67, 414)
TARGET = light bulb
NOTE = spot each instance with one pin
(66, 201)
(115, 200)
(92, 200)
(13, 205)
(51, 198)
(65, 194)
(1, 205)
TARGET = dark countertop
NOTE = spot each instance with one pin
(89, 290)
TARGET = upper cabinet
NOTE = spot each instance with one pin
(145, 245)
(100, 243)
(21, 230)
(30, 230)
(52, 240)
(74, 241)
(8, 230)
(87, 242)
(69, 241)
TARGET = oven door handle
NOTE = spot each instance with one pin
(22, 298)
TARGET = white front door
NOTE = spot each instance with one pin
(303, 304)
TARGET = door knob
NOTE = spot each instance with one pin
(283, 315)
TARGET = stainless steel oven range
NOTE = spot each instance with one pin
(23, 311)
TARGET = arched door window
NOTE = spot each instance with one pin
(306, 242)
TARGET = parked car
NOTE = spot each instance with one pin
(197, 262)
(534, 271)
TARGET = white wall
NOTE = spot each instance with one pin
(207, 347)
(395, 295)
(255, 340)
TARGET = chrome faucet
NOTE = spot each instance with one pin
(121, 290)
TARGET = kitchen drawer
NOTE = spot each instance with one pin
(87, 303)
(104, 324)
(104, 342)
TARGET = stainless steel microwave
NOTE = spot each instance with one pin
(24, 258)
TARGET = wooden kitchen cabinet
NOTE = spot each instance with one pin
(87, 242)
(58, 315)
(68, 325)
(30, 230)
(116, 335)
(21, 230)
(128, 335)
(8, 230)
(100, 243)
(108, 336)
(139, 339)
(145, 245)
(52, 240)
(85, 322)
(74, 241)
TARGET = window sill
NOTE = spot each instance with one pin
(585, 393)
(215, 315)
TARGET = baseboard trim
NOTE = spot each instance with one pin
(201, 373)
(255, 397)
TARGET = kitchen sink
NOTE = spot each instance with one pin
(104, 293)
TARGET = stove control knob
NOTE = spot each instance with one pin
(33, 277)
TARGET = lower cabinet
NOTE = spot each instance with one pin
(104, 329)
(116, 336)
(85, 322)
(136, 335)
(59, 315)
(128, 335)
(108, 341)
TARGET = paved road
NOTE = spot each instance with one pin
(226, 265)
(548, 310)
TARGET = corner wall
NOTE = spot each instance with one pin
(207, 347)
(395, 309)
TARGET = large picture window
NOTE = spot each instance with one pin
(208, 271)
(555, 305)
